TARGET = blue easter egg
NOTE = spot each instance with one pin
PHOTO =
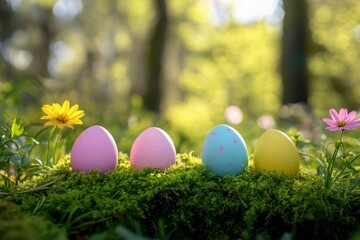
(224, 151)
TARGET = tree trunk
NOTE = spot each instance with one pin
(153, 92)
(294, 53)
(6, 29)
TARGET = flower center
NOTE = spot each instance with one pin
(62, 118)
(341, 123)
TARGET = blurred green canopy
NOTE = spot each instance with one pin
(183, 62)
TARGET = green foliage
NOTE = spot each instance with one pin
(340, 164)
(15, 225)
(187, 201)
(16, 162)
(336, 161)
(24, 154)
(310, 152)
(336, 32)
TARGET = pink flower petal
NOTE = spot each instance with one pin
(343, 113)
(334, 114)
(329, 121)
(350, 116)
(350, 127)
(355, 121)
(333, 125)
(333, 128)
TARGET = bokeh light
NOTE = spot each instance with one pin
(233, 115)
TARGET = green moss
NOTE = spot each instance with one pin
(191, 202)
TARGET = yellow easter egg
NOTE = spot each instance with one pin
(275, 151)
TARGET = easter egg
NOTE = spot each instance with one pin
(94, 148)
(275, 151)
(153, 148)
(224, 151)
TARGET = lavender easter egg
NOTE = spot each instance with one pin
(94, 148)
(224, 151)
(153, 148)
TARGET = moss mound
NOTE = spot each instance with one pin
(189, 202)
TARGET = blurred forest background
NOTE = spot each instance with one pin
(183, 65)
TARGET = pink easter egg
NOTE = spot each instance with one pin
(94, 148)
(153, 148)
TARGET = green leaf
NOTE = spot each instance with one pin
(17, 128)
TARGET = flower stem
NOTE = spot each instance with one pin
(48, 146)
(55, 147)
(330, 168)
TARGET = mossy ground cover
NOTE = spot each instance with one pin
(184, 202)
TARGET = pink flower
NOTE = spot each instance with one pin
(342, 120)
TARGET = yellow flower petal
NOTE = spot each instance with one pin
(46, 117)
(75, 121)
(65, 106)
(73, 109)
(78, 114)
(57, 109)
(48, 110)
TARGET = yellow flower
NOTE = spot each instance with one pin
(62, 116)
